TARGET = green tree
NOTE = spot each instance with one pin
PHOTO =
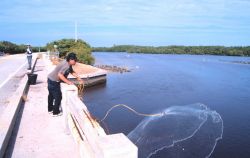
(81, 48)
(198, 50)
(11, 48)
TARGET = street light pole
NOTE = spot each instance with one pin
(75, 31)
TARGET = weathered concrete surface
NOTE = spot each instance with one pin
(9, 88)
(12, 69)
(9, 64)
(86, 71)
(41, 135)
(89, 135)
(8, 117)
(38, 134)
(11, 92)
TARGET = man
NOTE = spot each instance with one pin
(59, 74)
(29, 56)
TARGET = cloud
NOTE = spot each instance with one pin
(131, 17)
(123, 12)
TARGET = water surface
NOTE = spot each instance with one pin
(160, 81)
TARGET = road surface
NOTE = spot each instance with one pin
(12, 70)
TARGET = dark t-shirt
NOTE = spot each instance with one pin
(69, 70)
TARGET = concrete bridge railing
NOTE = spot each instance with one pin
(91, 139)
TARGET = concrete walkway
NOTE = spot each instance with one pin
(40, 135)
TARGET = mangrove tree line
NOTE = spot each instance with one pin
(199, 50)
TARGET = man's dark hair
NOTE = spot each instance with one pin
(71, 56)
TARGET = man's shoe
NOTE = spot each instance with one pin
(50, 112)
(59, 114)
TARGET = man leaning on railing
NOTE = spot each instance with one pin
(60, 74)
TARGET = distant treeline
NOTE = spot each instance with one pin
(211, 50)
(63, 46)
(12, 48)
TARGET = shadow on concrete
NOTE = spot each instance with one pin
(10, 147)
(11, 143)
(38, 70)
(39, 82)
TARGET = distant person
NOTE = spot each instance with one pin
(60, 74)
(29, 56)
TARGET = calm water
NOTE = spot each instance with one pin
(160, 81)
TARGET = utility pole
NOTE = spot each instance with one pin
(75, 31)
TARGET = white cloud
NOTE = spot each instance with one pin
(123, 12)
(121, 17)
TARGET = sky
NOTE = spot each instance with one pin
(137, 22)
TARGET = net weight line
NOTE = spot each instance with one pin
(131, 109)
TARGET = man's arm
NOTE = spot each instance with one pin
(77, 77)
(61, 77)
(28, 51)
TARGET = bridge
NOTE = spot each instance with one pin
(28, 130)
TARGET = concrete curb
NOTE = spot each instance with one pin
(8, 118)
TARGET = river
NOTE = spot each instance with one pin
(160, 81)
